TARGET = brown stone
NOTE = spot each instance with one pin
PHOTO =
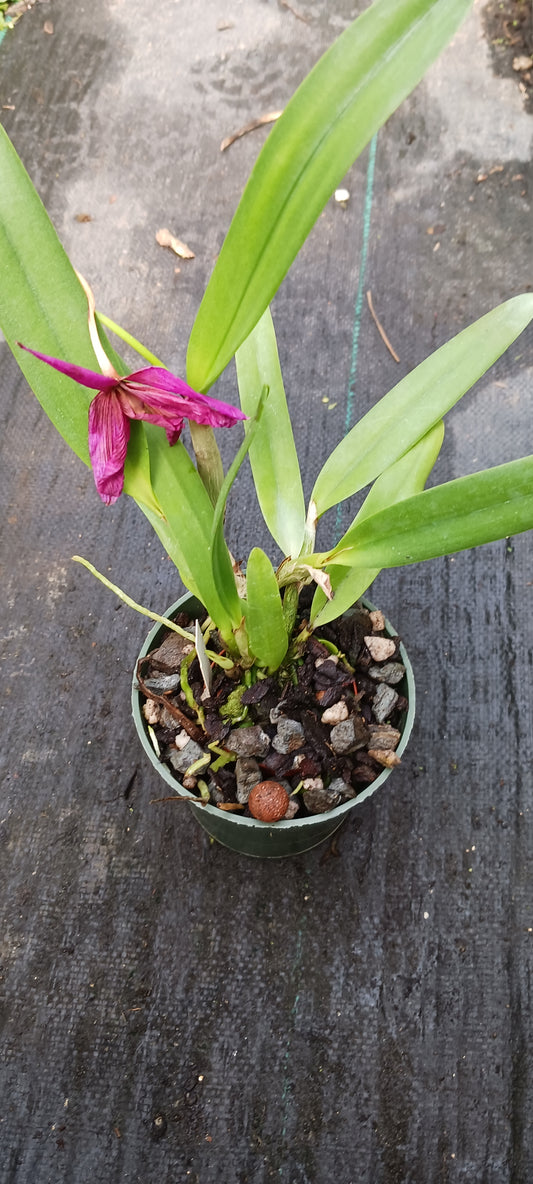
(385, 757)
(268, 801)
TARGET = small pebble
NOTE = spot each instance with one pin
(349, 735)
(292, 809)
(289, 736)
(522, 62)
(167, 720)
(312, 783)
(335, 714)
(248, 741)
(170, 654)
(247, 774)
(215, 793)
(160, 686)
(380, 648)
(384, 736)
(305, 765)
(391, 673)
(385, 757)
(181, 759)
(341, 787)
(318, 799)
(365, 771)
(151, 712)
(385, 701)
(378, 620)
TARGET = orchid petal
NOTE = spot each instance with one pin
(134, 407)
(173, 434)
(109, 433)
(163, 391)
(97, 382)
(172, 423)
(159, 378)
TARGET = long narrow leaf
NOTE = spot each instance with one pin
(404, 478)
(460, 514)
(252, 426)
(43, 304)
(41, 300)
(411, 408)
(264, 614)
(349, 94)
(273, 456)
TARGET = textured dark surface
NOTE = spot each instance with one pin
(171, 1011)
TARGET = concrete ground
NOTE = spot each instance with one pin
(174, 1012)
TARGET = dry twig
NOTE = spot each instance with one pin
(187, 724)
(299, 15)
(177, 798)
(380, 328)
(250, 127)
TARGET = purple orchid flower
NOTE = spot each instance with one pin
(152, 394)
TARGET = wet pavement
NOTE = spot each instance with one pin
(173, 1011)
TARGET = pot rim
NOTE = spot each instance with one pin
(284, 824)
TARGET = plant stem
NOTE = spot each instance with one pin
(290, 607)
(310, 531)
(127, 337)
(208, 459)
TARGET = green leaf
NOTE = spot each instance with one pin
(416, 403)
(348, 95)
(348, 584)
(273, 456)
(264, 613)
(460, 514)
(42, 302)
(406, 477)
(43, 305)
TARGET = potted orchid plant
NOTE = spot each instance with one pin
(271, 697)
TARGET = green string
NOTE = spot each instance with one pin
(367, 214)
